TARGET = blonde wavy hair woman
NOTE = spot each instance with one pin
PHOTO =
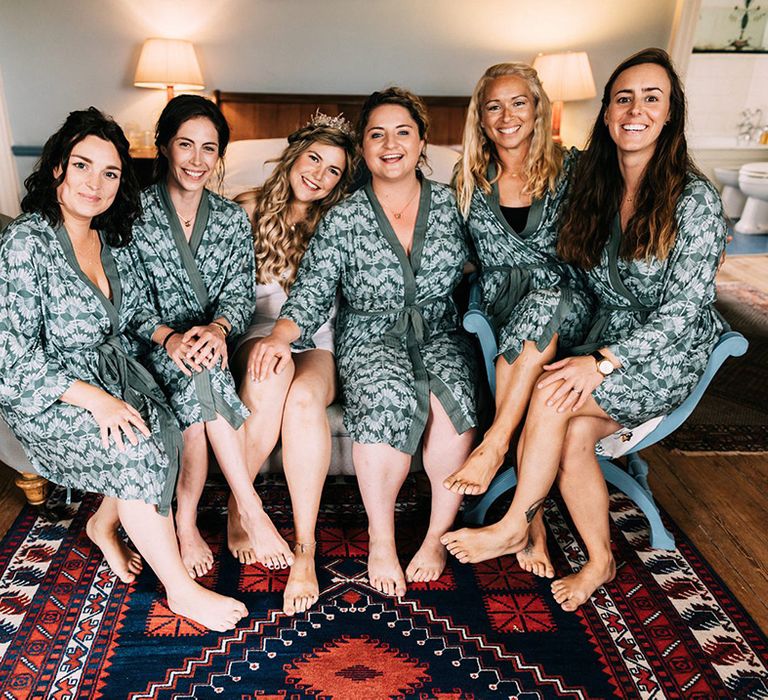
(510, 182)
(312, 174)
(279, 237)
(544, 159)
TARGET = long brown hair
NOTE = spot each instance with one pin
(545, 158)
(597, 185)
(280, 247)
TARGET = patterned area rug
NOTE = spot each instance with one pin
(732, 416)
(665, 628)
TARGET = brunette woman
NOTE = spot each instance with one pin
(197, 251)
(648, 230)
(89, 416)
(396, 250)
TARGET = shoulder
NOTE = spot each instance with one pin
(350, 206)
(226, 209)
(442, 193)
(699, 197)
(28, 232)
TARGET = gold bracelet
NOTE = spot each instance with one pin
(224, 329)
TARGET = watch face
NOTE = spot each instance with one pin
(605, 366)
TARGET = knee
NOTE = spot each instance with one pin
(579, 442)
(304, 397)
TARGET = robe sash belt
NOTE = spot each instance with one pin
(410, 327)
(409, 324)
(137, 385)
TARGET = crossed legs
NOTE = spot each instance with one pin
(514, 384)
(555, 444)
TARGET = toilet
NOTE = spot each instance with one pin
(733, 199)
(753, 182)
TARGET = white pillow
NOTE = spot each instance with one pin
(246, 166)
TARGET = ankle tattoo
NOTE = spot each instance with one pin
(530, 514)
(304, 547)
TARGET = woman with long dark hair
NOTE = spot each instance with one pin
(648, 230)
(197, 251)
(311, 175)
(72, 302)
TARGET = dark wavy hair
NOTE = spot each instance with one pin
(597, 186)
(179, 110)
(393, 96)
(115, 223)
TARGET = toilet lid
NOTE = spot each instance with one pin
(755, 169)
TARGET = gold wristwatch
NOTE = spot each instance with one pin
(603, 364)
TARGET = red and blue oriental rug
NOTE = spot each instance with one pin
(664, 628)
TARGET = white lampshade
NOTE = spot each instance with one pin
(565, 76)
(168, 63)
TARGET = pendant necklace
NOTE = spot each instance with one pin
(399, 214)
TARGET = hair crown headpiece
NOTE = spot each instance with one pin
(337, 122)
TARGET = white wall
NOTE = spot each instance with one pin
(59, 55)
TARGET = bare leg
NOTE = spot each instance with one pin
(155, 539)
(101, 529)
(544, 437)
(514, 384)
(583, 488)
(228, 444)
(534, 558)
(381, 471)
(195, 552)
(444, 450)
(265, 400)
(306, 458)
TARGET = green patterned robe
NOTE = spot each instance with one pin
(657, 316)
(56, 326)
(397, 333)
(192, 283)
(528, 292)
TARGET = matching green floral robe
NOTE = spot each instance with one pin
(657, 316)
(397, 332)
(193, 283)
(56, 327)
(528, 292)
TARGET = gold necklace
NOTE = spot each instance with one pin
(187, 222)
(399, 214)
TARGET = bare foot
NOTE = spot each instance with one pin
(195, 552)
(384, 570)
(124, 562)
(301, 590)
(269, 548)
(535, 557)
(428, 563)
(478, 471)
(237, 538)
(575, 590)
(214, 611)
(470, 546)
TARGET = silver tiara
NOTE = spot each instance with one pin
(337, 122)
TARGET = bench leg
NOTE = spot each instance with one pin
(35, 488)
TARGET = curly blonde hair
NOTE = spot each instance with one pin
(279, 247)
(545, 157)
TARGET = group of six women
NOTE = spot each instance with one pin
(136, 333)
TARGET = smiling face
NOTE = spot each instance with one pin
(316, 171)
(391, 143)
(508, 113)
(92, 179)
(638, 109)
(192, 154)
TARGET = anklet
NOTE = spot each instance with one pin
(304, 547)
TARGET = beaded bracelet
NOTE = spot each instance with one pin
(167, 338)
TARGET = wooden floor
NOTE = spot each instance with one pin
(718, 501)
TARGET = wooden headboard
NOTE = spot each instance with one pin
(260, 115)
